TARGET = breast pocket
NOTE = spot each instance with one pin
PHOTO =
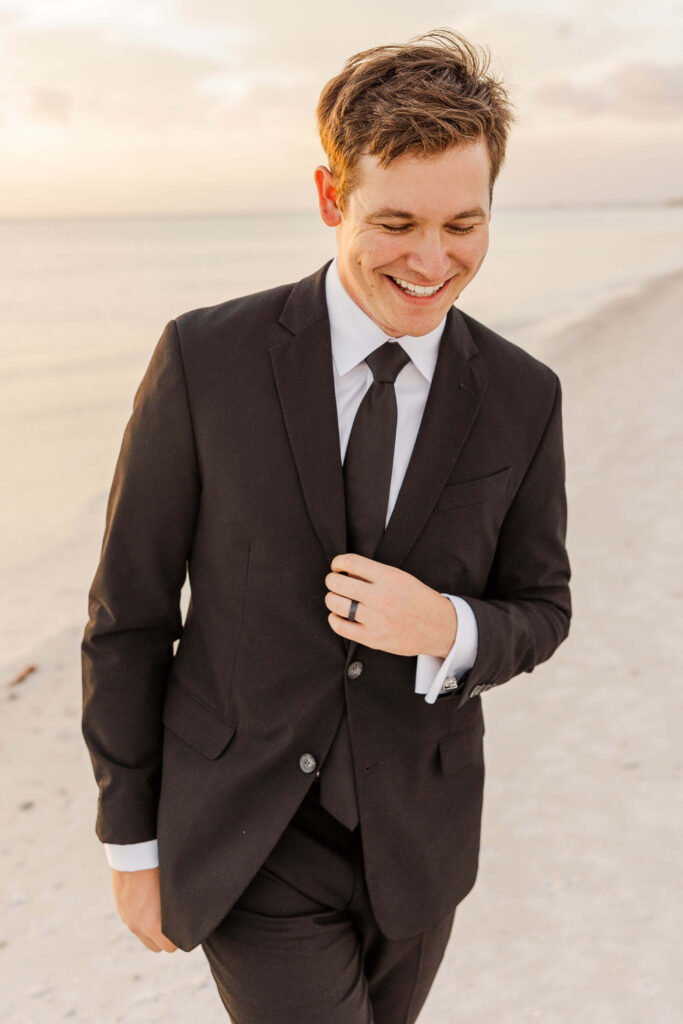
(471, 492)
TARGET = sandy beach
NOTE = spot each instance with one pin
(575, 916)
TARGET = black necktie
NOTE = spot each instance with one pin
(367, 480)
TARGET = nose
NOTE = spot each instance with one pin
(429, 260)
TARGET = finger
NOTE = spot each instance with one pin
(358, 566)
(166, 944)
(147, 941)
(351, 630)
(342, 607)
(348, 586)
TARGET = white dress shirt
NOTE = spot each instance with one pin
(354, 336)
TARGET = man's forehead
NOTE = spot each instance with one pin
(376, 201)
(458, 180)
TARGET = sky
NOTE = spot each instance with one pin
(189, 106)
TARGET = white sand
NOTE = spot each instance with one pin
(575, 915)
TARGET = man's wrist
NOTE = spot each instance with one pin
(447, 628)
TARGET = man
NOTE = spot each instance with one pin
(367, 487)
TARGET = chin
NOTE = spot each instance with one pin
(427, 320)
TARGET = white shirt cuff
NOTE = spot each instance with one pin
(132, 856)
(432, 672)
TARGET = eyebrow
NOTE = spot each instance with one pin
(476, 211)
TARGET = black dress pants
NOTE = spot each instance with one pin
(301, 945)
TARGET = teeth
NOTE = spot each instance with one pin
(416, 289)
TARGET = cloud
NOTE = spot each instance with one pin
(96, 79)
(111, 78)
(648, 90)
(636, 91)
(52, 104)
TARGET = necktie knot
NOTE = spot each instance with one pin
(387, 361)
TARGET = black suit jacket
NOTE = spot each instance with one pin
(230, 466)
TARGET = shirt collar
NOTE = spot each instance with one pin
(354, 335)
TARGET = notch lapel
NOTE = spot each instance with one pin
(453, 402)
(302, 366)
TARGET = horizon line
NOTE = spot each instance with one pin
(672, 201)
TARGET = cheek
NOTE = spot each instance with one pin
(471, 251)
(390, 249)
(384, 251)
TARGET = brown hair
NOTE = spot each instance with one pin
(422, 96)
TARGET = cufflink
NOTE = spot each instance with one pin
(449, 683)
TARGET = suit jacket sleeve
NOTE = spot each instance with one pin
(524, 613)
(134, 600)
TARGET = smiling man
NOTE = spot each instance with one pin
(366, 486)
(404, 253)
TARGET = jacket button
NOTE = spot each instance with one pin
(354, 669)
(307, 763)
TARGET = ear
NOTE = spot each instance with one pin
(327, 197)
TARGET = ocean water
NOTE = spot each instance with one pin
(83, 302)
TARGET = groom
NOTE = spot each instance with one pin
(367, 488)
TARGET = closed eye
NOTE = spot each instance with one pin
(405, 227)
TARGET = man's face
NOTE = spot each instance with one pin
(421, 221)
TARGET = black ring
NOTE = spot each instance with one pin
(352, 611)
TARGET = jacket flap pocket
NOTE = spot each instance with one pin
(206, 730)
(469, 492)
(460, 748)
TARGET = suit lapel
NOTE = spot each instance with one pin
(454, 398)
(302, 366)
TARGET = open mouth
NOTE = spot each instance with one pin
(416, 293)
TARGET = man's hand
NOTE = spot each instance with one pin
(396, 612)
(136, 894)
